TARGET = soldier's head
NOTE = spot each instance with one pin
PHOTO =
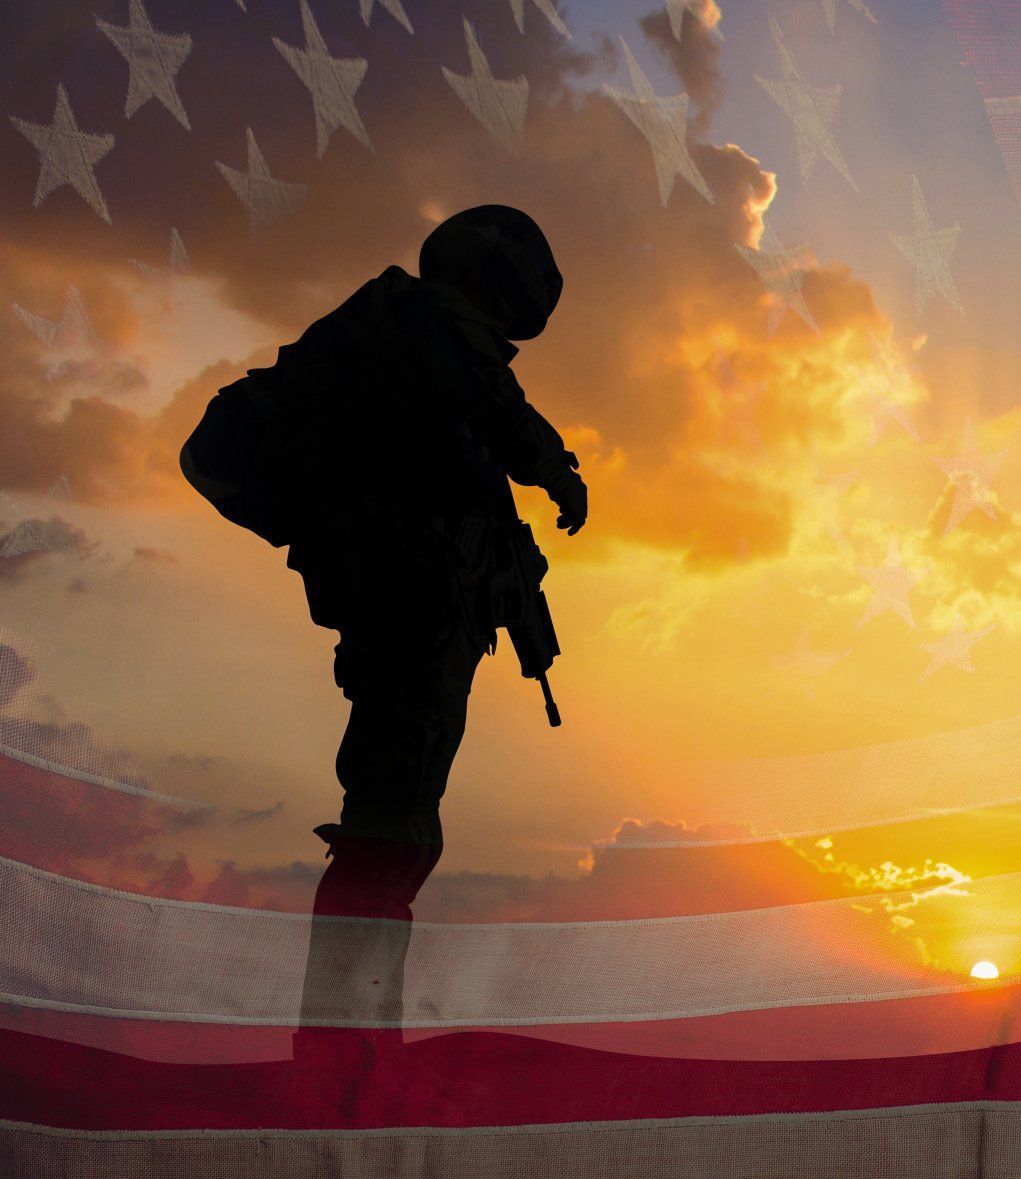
(500, 260)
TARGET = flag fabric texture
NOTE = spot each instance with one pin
(793, 1014)
(150, 1035)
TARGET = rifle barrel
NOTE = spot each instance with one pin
(551, 705)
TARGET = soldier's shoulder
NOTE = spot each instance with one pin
(374, 292)
(462, 326)
(396, 278)
(392, 283)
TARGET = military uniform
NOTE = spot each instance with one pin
(395, 558)
(370, 448)
(382, 395)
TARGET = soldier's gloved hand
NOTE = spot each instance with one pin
(570, 495)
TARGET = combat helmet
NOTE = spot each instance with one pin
(500, 260)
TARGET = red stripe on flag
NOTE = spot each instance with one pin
(67, 822)
(989, 32)
(923, 1025)
(497, 1079)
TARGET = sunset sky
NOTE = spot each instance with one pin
(727, 659)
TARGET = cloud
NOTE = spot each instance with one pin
(156, 556)
(139, 840)
(15, 674)
(635, 833)
(204, 763)
(38, 724)
(78, 828)
(113, 456)
(695, 57)
(173, 878)
(76, 820)
(285, 886)
(649, 293)
(244, 815)
(623, 878)
(33, 539)
(116, 378)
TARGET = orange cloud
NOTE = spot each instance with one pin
(657, 302)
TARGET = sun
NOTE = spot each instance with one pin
(985, 970)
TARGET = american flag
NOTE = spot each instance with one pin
(753, 910)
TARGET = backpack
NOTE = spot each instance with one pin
(273, 446)
(225, 459)
(334, 427)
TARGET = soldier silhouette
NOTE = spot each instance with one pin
(393, 555)
(371, 447)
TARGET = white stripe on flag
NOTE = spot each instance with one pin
(909, 1142)
(802, 795)
(81, 947)
(77, 775)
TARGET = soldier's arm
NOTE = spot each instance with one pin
(521, 441)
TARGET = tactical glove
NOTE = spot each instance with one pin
(569, 493)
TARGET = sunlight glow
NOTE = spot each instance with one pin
(984, 970)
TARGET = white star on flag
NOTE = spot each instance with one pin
(67, 155)
(806, 663)
(153, 61)
(830, 8)
(15, 504)
(394, 7)
(929, 250)
(970, 474)
(954, 649)
(178, 254)
(782, 271)
(704, 11)
(69, 332)
(60, 488)
(664, 123)
(892, 582)
(178, 261)
(882, 411)
(547, 10)
(499, 104)
(1004, 113)
(811, 109)
(332, 82)
(265, 198)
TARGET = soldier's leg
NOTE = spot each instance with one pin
(407, 720)
(408, 711)
(355, 971)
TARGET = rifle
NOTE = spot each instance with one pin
(517, 601)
